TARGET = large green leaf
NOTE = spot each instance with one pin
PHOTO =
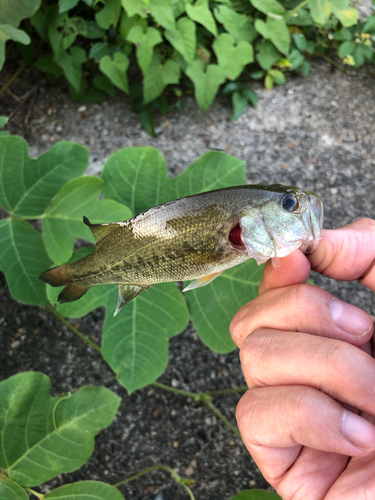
(62, 222)
(213, 306)
(183, 38)
(144, 42)
(134, 7)
(162, 12)
(43, 436)
(200, 13)
(116, 69)
(13, 11)
(138, 177)
(22, 259)
(158, 76)
(270, 7)
(321, 10)
(9, 32)
(232, 59)
(135, 341)
(27, 186)
(85, 490)
(237, 25)
(63, 30)
(9, 490)
(71, 64)
(206, 83)
(275, 30)
(267, 54)
(256, 495)
(109, 15)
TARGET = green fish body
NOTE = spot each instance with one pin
(196, 237)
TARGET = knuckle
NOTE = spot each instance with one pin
(254, 355)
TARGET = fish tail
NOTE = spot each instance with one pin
(59, 276)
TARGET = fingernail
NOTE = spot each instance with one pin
(350, 319)
(276, 262)
(358, 431)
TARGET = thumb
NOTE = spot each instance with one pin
(347, 253)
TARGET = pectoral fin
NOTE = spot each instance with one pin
(128, 292)
(202, 281)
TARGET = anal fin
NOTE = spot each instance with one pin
(128, 292)
(202, 281)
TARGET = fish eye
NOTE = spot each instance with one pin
(290, 203)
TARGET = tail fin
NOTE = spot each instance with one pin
(59, 276)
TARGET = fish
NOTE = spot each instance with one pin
(194, 238)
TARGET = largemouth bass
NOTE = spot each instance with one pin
(196, 237)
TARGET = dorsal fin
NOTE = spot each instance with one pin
(100, 231)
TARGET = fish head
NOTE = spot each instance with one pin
(279, 220)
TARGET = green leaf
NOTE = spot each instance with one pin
(85, 490)
(183, 38)
(206, 83)
(200, 13)
(3, 121)
(322, 9)
(138, 177)
(65, 5)
(71, 64)
(8, 32)
(22, 259)
(9, 490)
(268, 82)
(109, 15)
(45, 436)
(101, 49)
(300, 41)
(256, 495)
(162, 12)
(144, 42)
(28, 185)
(275, 30)
(48, 66)
(296, 59)
(212, 307)
(135, 341)
(63, 31)
(266, 55)
(346, 48)
(158, 76)
(237, 25)
(13, 11)
(277, 76)
(251, 96)
(232, 60)
(116, 69)
(270, 7)
(103, 83)
(62, 222)
(240, 104)
(134, 7)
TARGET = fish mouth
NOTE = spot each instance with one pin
(313, 221)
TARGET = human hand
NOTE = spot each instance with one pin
(302, 351)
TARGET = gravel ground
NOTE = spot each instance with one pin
(317, 133)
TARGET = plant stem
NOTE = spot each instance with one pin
(175, 476)
(13, 77)
(299, 6)
(227, 392)
(175, 391)
(206, 399)
(71, 327)
(38, 495)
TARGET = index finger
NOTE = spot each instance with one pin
(346, 253)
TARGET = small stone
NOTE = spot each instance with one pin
(15, 344)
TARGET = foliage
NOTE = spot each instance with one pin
(161, 49)
(39, 429)
(256, 495)
(50, 188)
